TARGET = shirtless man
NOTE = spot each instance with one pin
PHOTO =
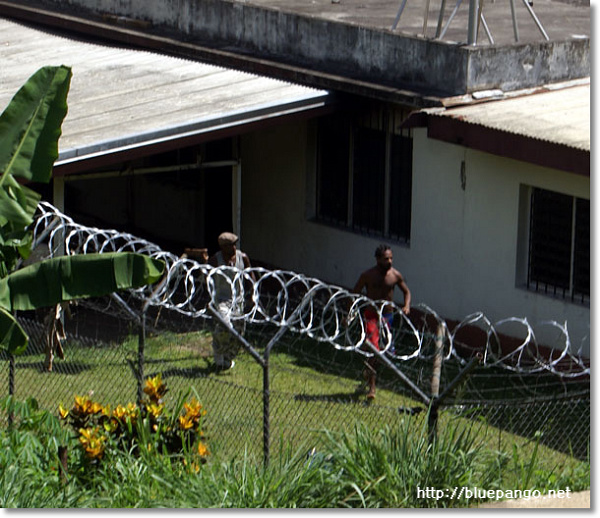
(379, 283)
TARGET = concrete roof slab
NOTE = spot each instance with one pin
(354, 39)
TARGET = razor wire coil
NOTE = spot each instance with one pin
(308, 306)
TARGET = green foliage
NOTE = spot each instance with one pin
(149, 427)
(71, 277)
(14, 337)
(385, 469)
(359, 468)
(29, 456)
(30, 127)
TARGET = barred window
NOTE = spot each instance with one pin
(559, 245)
(364, 177)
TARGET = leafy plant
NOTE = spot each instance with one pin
(30, 127)
(147, 427)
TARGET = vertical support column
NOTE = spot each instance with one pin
(58, 200)
(387, 181)
(236, 201)
(438, 30)
(514, 19)
(58, 192)
(473, 15)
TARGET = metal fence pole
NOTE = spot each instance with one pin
(11, 386)
(267, 396)
(140, 359)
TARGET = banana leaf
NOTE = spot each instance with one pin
(30, 125)
(66, 278)
(14, 337)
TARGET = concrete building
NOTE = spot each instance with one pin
(465, 150)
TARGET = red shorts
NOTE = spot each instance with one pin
(372, 324)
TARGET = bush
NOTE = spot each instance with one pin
(149, 427)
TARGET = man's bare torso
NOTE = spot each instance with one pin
(380, 285)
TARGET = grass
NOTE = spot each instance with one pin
(358, 468)
(313, 407)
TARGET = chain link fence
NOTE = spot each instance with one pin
(310, 389)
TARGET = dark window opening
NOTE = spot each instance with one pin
(559, 245)
(364, 175)
(368, 193)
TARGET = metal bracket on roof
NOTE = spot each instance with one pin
(476, 20)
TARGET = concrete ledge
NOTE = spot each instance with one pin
(432, 67)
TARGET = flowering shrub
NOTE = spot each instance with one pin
(148, 425)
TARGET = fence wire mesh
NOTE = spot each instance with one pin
(313, 390)
(301, 369)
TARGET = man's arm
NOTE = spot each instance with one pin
(247, 264)
(404, 287)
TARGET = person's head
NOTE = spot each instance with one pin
(384, 257)
(227, 243)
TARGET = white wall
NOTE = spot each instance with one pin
(463, 252)
(466, 242)
(277, 196)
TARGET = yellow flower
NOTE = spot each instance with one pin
(132, 410)
(155, 410)
(186, 422)
(82, 404)
(193, 466)
(93, 442)
(155, 388)
(202, 449)
(120, 412)
(95, 408)
(193, 408)
(64, 413)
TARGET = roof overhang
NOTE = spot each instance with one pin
(550, 129)
(126, 104)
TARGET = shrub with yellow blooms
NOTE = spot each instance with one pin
(149, 426)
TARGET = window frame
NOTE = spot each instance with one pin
(382, 121)
(538, 277)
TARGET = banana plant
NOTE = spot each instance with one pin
(30, 128)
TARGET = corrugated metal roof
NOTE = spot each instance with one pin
(122, 97)
(560, 116)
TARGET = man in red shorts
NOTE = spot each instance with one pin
(379, 283)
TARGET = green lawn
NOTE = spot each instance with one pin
(308, 393)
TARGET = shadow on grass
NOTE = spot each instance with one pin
(186, 372)
(61, 367)
(357, 396)
(341, 397)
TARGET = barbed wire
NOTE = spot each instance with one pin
(324, 312)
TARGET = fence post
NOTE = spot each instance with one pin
(266, 412)
(435, 383)
(267, 396)
(63, 464)
(11, 387)
(140, 364)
